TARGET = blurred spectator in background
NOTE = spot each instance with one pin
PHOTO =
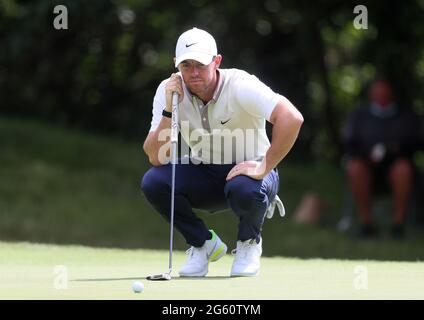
(380, 140)
(310, 208)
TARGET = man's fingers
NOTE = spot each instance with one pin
(235, 171)
(176, 79)
(180, 91)
(232, 175)
(247, 168)
(175, 85)
(174, 76)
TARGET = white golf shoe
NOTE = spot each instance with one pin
(247, 260)
(199, 257)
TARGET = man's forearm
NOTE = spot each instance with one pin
(285, 131)
(283, 140)
(155, 142)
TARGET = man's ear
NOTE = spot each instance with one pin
(218, 60)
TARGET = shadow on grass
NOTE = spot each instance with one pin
(204, 278)
(145, 278)
(106, 279)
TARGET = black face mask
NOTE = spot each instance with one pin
(383, 112)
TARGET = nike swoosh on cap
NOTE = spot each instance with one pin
(189, 45)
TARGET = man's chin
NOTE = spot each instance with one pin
(196, 89)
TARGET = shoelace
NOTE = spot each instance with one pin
(243, 250)
(269, 213)
(191, 252)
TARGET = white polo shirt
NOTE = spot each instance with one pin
(230, 128)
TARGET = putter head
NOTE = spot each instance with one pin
(159, 277)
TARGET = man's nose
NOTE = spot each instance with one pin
(194, 71)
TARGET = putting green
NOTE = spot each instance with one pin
(35, 271)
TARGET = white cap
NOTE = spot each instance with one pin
(195, 44)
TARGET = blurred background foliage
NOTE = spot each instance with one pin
(101, 73)
(75, 106)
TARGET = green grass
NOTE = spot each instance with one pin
(27, 271)
(69, 187)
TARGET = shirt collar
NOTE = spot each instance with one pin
(218, 88)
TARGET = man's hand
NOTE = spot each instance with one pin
(252, 169)
(378, 152)
(173, 85)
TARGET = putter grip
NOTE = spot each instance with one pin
(174, 121)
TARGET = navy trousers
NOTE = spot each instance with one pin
(203, 186)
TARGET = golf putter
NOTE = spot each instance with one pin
(174, 146)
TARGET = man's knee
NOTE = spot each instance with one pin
(242, 192)
(401, 169)
(153, 181)
(356, 167)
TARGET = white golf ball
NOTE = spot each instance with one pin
(138, 286)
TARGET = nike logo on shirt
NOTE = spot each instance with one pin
(224, 122)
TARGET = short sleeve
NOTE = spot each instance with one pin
(255, 97)
(159, 102)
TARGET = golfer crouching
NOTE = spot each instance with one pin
(222, 114)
